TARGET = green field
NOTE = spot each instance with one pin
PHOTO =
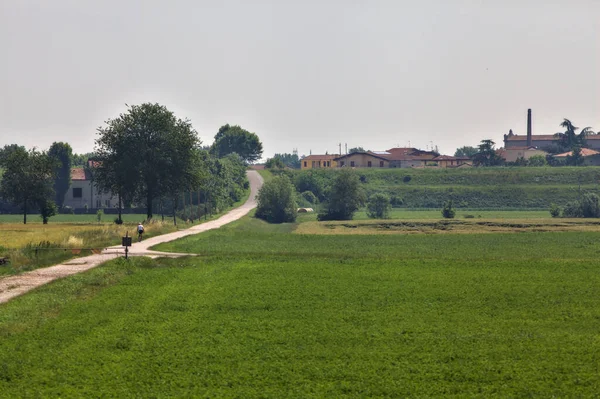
(266, 313)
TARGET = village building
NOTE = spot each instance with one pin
(363, 159)
(590, 157)
(318, 161)
(512, 154)
(84, 194)
(447, 161)
(540, 141)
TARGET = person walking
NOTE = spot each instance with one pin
(140, 230)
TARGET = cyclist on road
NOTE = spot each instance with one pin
(140, 230)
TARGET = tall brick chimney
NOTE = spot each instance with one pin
(529, 128)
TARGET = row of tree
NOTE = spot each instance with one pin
(146, 156)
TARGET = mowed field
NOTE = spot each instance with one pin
(265, 311)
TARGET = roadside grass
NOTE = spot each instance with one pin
(265, 313)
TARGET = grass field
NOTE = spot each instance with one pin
(266, 313)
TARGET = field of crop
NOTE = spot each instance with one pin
(266, 313)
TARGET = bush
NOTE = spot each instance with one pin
(590, 205)
(99, 214)
(379, 206)
(447, 211)
(573, 210)
(406, 179)
(276, 201)
(554, 211)
(47, 210)
(118, 221)
(310, 197)
(345, 197)
(396, 201)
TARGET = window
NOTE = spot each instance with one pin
(381, 164)
(98, 203)
(369, 164)
(107, 203)
(352, 163)
(77, 192)
(328, 164)
(341, 163)
(305, 163)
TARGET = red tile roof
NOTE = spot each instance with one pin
(78, 174)
(586, 152)
(523, 137)
(326, 157)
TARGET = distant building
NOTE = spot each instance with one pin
(540, 141)
(590, 157)
(83, 193)
(511, 154)
(318, 161)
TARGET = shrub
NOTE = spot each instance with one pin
(573, 210)
(379, 206)
(396, 201)
(47, 210)
(67, 210)
(99, 214)
(447, 211)
(310, 197)
(590, 205)
(118, 221)
(554, 211)
(345, 197)
(406, 179)
(276, 201)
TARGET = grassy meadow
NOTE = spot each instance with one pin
(266, 311)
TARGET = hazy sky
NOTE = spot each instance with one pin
(301, 74)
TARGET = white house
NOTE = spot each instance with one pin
(82, 192)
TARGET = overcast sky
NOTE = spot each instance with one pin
(301, 74)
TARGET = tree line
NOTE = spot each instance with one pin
(146, 157)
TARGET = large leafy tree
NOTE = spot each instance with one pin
(466, 151)
(27, 180)
(289, 160)
(487, 156)
(346, 195)
(234, 139)
(63, 154)
(7, 150)
(145, 153)
(569, 139)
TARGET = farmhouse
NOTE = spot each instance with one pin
(590, 157)
(511, 154)
(318, 161)
(363, 159)
(447, 161)
(83, 193)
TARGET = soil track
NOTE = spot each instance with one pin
(13, 286)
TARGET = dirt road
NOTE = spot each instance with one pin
(13, 286)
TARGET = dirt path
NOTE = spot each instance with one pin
(13, 286)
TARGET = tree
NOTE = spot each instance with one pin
(590, 205)
(289, 160)
(310, 181)
(346, 195)
(27, 179)
(7, 150)
(230, 139)
(62, 153)
(274, 163)
(47, 209)
(276, 202)
(448, 211)
(466, 151)
(487, 155)
(569, 139)
(537, 160)
(576, 158)
(379, 206)
(356, 149)
(146, 153)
